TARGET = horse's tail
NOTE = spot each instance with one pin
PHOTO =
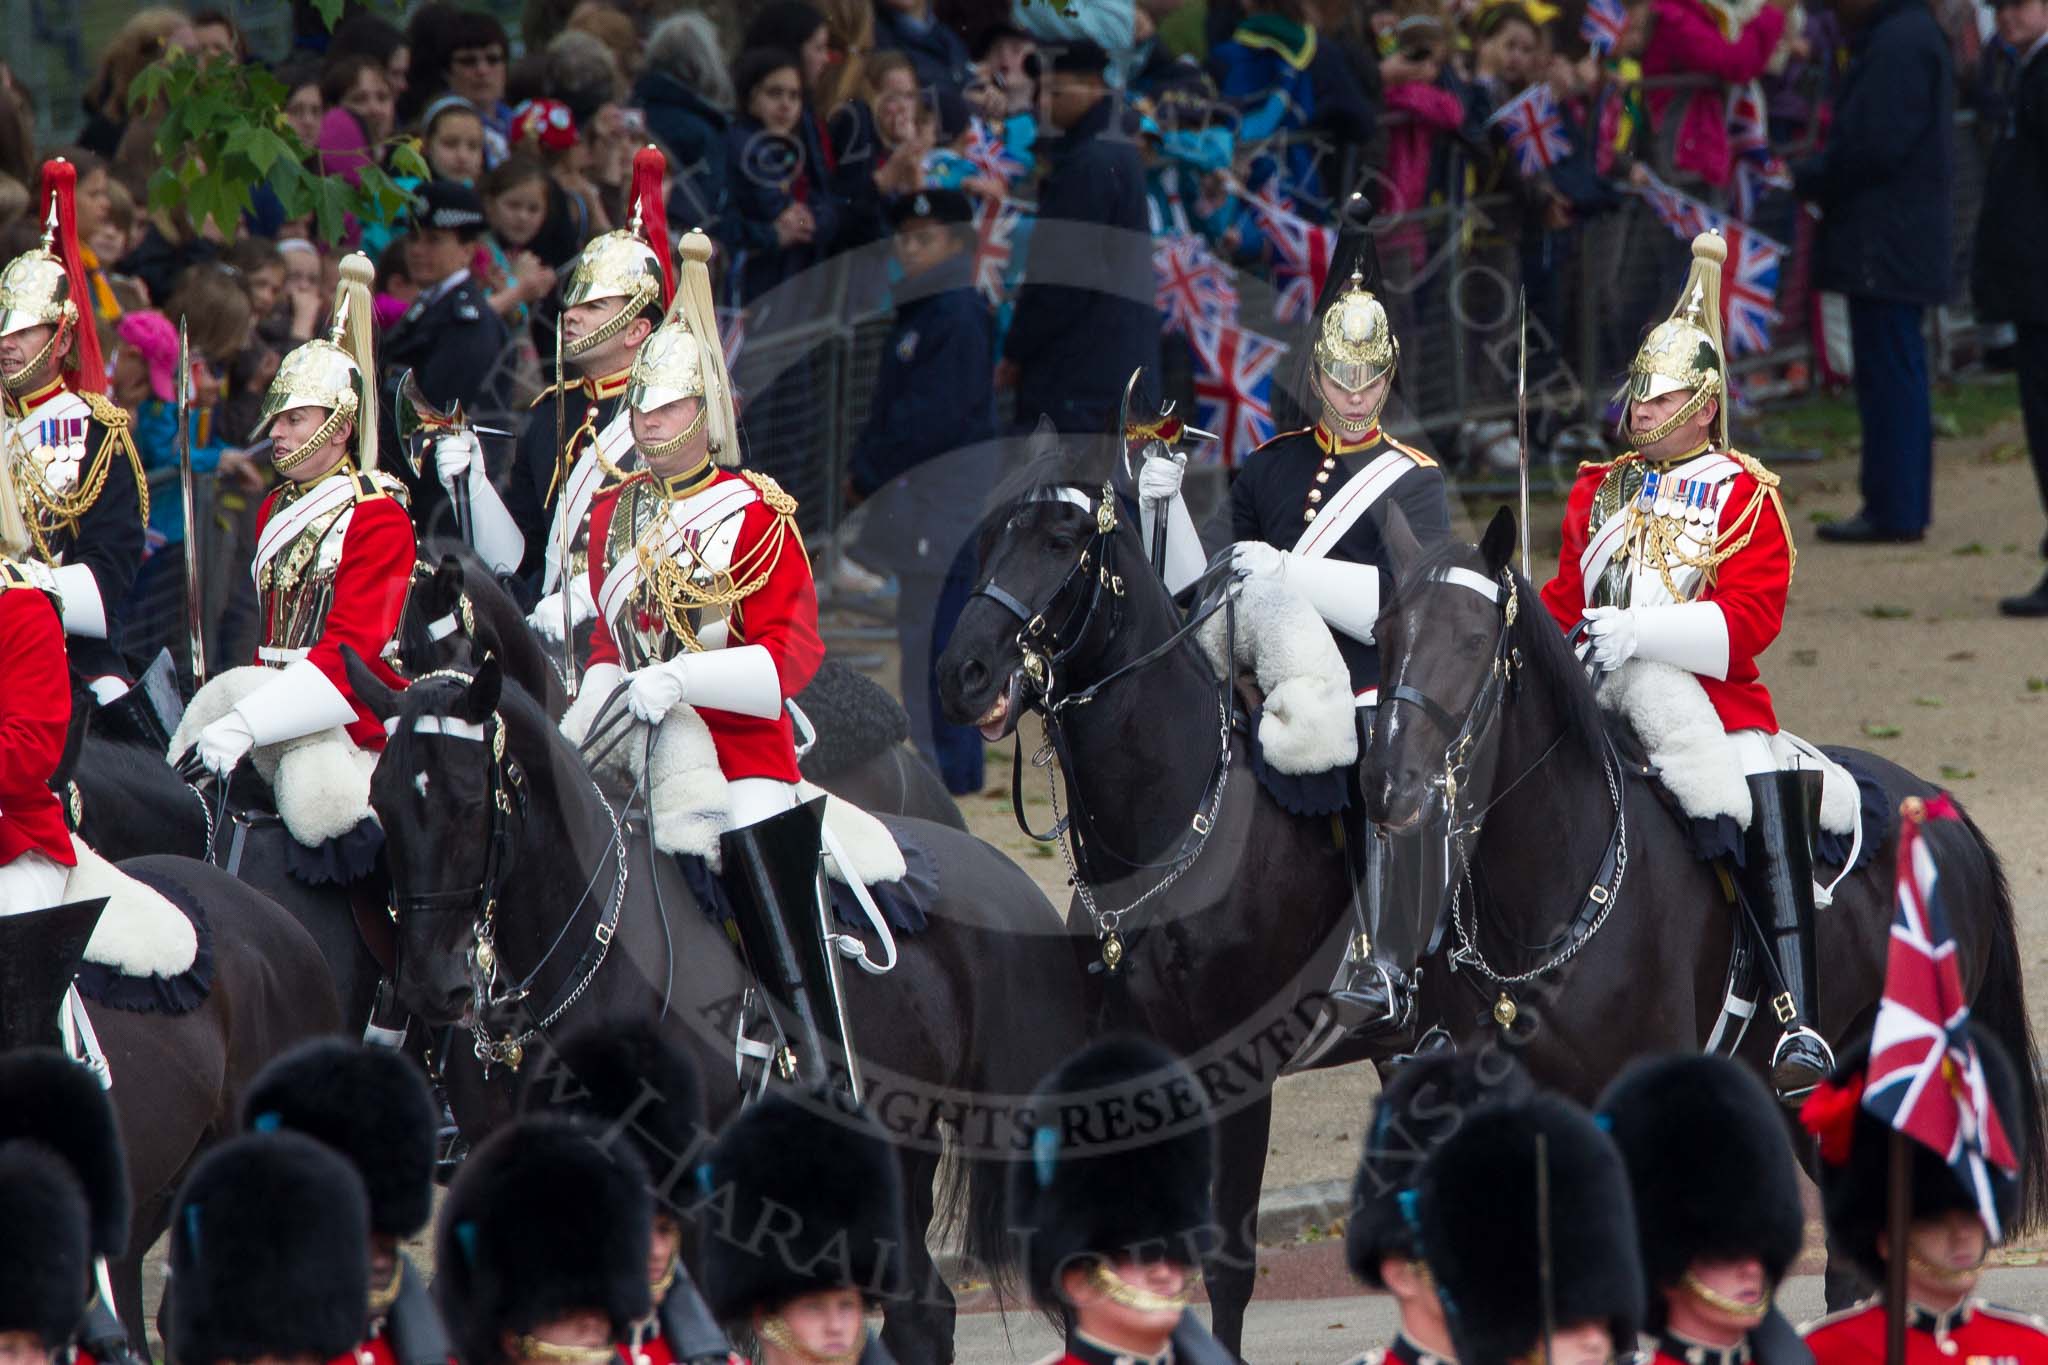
(973, 1202)
(2000, 1008)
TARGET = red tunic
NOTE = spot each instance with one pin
(1978, 1333)
(35, 715)
(370, 587)
(781, 616)
(1750, 587)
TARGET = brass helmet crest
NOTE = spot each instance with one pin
(629, 263)
(684, 358)
(1684, 353)
(35, 291)
(333, 372)
(1356, 344)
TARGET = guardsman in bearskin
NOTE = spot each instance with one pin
(1115, 1230)
(75, 467)
(270, 1255)
(578, 440)
(1310, 508)
(45, 1259)
(1947, 1242)
(1478, 1226)
(1422, 1103)
(540, 1254)
(334, 545)
(819, 1162)
(1679, 553)
(370, 1105)
(48, 1100)
(638, 1084)
(1717, 1207)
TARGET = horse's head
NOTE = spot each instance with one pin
(446, 792)
(1063, 582)
(1447, 650)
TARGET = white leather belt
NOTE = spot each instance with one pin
(279, 658)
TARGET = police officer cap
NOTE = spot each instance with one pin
(448, 204)
(941, 206)
(1081, 57)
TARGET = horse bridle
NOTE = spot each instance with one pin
(1503, 683)
(1045, 652)
(506, 796)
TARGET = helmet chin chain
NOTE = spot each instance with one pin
(1346, 426)
(629, 308)
(286, 463)
(682, 438)
(1685, 413)
(25, 378)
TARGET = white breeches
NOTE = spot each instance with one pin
(754, 799)
(1753, 749)
(33, 881)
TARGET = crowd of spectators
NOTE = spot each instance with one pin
(799, 132)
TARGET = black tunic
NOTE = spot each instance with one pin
(1269, 499)
(542, 468)
(454, 344)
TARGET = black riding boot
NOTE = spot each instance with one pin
(1376, 998)
(1777, 880)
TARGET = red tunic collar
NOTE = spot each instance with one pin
(29, 402)
(1332, 444)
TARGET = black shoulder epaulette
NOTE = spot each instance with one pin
(11, 576)
(375, 483)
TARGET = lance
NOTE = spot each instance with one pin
(1522, 422)
(195, 607)
(565, 536)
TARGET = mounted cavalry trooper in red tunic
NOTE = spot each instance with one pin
(334, 551)
(1679, 553)
(1309, 508)
(75, 469)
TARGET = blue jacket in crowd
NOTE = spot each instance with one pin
(1085, 316)
(693, 133)
(936, 52)
(766, 173)
(1886, 178)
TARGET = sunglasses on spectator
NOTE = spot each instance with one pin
(494, 57)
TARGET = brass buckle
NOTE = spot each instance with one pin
(1200, 822)
(1782, 1006)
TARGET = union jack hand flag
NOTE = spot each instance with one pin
(1234, 386)
(1757, 167)
(991, 155)
(995, 246)
(1602, 25)
(1193, 287)
(1925, 1077)
(1535, 129)
(1686, 216)
(1749, 288)
(1302, 253)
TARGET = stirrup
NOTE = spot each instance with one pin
(1794, 1077)
(1374, 1000)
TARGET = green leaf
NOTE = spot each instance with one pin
(1928, 701)
(1878, 730)
(329, 12)
(2037, 684)
(407, 159)
(1973, 548)
(1951, 773)
(1887, 612)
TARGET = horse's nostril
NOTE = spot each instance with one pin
(973, 674)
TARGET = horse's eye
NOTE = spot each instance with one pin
(1476, 642)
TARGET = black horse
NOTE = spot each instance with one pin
(458, 612)
(179, 1078)
(505, 856)
(1223, 915)
(1485, 683)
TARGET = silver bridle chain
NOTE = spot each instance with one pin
(1106, 922)
(511, 1049)
(1468, 953)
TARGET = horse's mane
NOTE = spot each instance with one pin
(1543, 647)
(436, 695)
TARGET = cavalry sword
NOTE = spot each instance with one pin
(195, 608)
(1522, 422)
(562, 585)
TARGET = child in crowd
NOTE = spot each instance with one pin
(452, 139)
(394, 290)
(515, 198)
(892, 94)
(299, 310)
(546, 130)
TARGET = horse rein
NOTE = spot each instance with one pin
(1045, 653)
(1502, 685)
(506, 794)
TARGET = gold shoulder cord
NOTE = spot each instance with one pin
(681, 589)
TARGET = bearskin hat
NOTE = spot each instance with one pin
(1477, 1210)
(1122, 1156)
(372, 1105)
(544, 1219)
(1855, 1153)
(46, 1252)
(627, 1070)
(821, 1157)
(1709, 1165)
(270, 1250)
(1421, 1104)
(48, 1098)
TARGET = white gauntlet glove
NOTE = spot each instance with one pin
(223, 744)
(1257, 559)
(1159, 478)
(1611, 635)
(457, 456)
(652, 692)
(546, 616)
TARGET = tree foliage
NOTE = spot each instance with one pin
(224, 133)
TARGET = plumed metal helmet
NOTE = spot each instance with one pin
(1123, 1154)
(668, 368)
(48, 1098)
(544, 1219)
(334, 373)
(1356, 343)
(270, 1250)
(1422, 1103)
(35, 288)
(630, 1079)
(631, 263)
(370, 1104)
(1476, 1210)
(684, 358)
(1709, 1165)
(818, 1161)
(1684, 352)
(1855, 1157)
(45, 1254)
